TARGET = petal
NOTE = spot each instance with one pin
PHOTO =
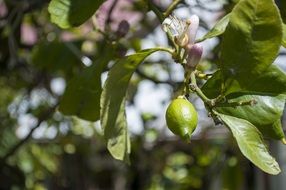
(193, 28)
(170, 24)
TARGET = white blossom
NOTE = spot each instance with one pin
(183, 31)
(178, 28)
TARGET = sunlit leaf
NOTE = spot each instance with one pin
(264, 114)
(268, 90)
(251, 143)
(266, 110)
(251, 40)
(217, 30)
(273, 81)
(113, 119)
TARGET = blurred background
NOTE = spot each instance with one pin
(42, 149)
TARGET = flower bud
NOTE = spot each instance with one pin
(194, 25)
(122, 29)
(121, 51)
(194, 55)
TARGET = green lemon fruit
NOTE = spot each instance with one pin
(182, 118)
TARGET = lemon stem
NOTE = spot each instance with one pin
(186, 90)
(203, 75)
(198, 91)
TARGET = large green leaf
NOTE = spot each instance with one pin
(268, 90)
(251, 40)
(112, 114)
(217, 30)
(273, 81)
(251, 143)
(267, 109)
(70, 13)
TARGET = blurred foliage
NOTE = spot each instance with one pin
(69, 153)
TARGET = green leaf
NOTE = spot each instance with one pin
(273, 131)
(213, 87)
(268, 90)
(217, 30)
(251, 40)
(82, 95)
(267, 109)
(61, 58)
(284, 36)
(70, 13)
(273, 81)
(251, 143)
(112, 100)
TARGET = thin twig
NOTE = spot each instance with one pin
(170, 9)
(157, 12)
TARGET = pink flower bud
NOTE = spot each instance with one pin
(194, 25)
(194, 55)
(122, 29)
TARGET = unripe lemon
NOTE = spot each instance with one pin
(182, 118)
